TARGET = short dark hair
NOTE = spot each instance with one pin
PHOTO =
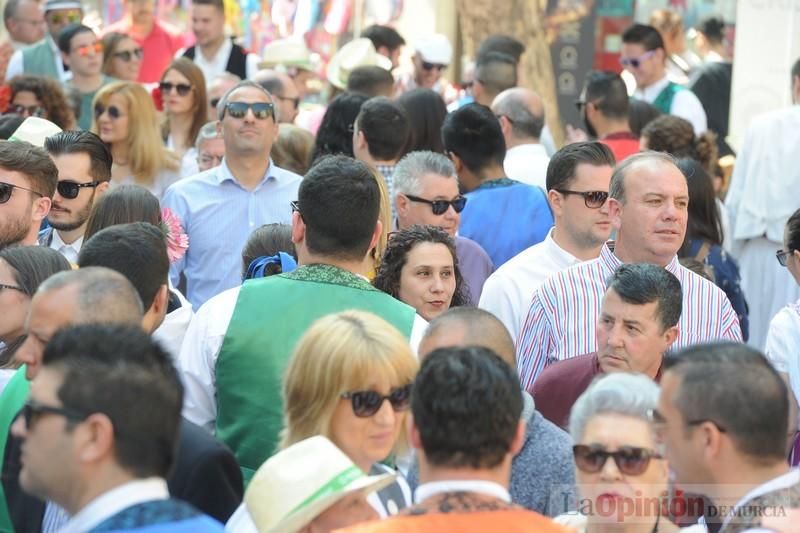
(122, 205)
(66, 34)
(713, 28)
(32, 265)
(645, 35)
(733, 386)
(370, 80)
(268, 240)
(140, 391)
(335, 134)
(9, 123)
(466, 403)
(607, 91)
(562, 166)
(385, 126)
(383, 36)
(83, 142)
(136, 250)
(643, 283)
(219, 4)
(396, 256)
(496, 71)
(640, 114)
(339, 201)
(473, 133)
(704, 220)
(793, 231)
(426, 112)
(675, 135)
(32, 162)
(501, 43)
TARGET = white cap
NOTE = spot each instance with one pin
(287, 53)
(52, 5)
(434, 48)
(356, 53)
(34, 130)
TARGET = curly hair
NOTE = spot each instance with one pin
(675, 136)
(396, 254)
(49, 92)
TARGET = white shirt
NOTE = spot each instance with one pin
(172, 331)
(201, 346)
(685, 104)
(792, 477)
(507, 293)
(69, 251)
(783, 344)
(489, 488)
(118, 499)
(16, 65)
(527, 163)
(216, 65)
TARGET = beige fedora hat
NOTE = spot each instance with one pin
(287, 53)
(356, 53)
(298, 483)
(34, 130)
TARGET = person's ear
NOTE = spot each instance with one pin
(298, 228)
(65, 58)
(41, 207)
(796, 255)
(670, 336)
(376, 235)
(219, 127)
(711, 440)
(414, 437)
(402, 204)
(615, 212)
(161, 301)
(361, 140)
(101, 189)
(457, 162)
(519, 439)
(556, 200)
(94, 438)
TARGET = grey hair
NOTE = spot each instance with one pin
(208, 131)
(244, 83)
(524, 124)
(617, 188)
(619, 393)
(408, 173)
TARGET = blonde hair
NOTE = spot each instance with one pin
(339, 353)
(385, 216)
(292, 149)
(146, 151)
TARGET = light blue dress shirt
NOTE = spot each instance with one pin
(218, 214)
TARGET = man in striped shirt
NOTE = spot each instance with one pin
(648, 207)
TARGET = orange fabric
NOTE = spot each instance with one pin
(507, 521)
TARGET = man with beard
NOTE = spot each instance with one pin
(84, 173)
(27, 184)
(604, 105)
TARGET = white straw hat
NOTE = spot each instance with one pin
(297, 484)
(34, 130)
(287, 53)
(434, 48)
(356, 53)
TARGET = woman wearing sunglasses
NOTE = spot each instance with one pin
(183, 92)
(37, 96)
(420, 268)
(125, 118)
(123, 57)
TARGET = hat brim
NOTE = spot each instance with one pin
(296, 521)
(334, 70)
(301, 64)
(65, 4)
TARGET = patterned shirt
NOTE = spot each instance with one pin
(562, 318)
(387, 171)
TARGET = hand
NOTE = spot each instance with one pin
(575, 135)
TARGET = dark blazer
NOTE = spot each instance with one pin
(205, 475)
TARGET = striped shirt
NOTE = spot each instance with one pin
(562, 318)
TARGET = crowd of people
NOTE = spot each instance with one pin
(222, 308)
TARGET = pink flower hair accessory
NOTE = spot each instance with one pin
(177, 240)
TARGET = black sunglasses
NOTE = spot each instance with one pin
(783, 256)
(630, 460)
(113, 111)
(71, 189)
(431, 66)
(6, 189)
(261, 110)
(182, 88)
(592, 199)
(33, 410)
(27, 111)
(440, 207)
(367, 403)
(295, 101)
(127, 55)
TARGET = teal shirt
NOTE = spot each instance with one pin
(87, 111)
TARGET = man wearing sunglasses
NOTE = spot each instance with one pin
(432, 55)
(638, 324)
(604, 105)
(644, 56)
(282, 88)
(84, 174)
(44, 59)
(426, 192)
(82, 52)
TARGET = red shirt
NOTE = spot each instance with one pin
(160, 47)
(622, 144)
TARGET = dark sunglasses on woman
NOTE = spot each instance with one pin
(113, 111)
(127, 55)
(71, 189)
(182, 88)
(26, 111)
(7, 189)
(630, 460)
(368, 402)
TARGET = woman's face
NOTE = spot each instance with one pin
(26, 104)
(610, 491)
(112, 123)
(428, 279)
(14, 304)
(126, 60)
(367, 439)
(177, 99)
(792, 260)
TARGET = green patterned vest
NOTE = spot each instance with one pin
(39, 60)
(664, 99)
(11, 401)
(270, 316)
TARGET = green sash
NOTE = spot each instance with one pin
(270, 316)
(11, 401)
(664, 99)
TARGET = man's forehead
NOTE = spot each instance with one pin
(248, 94)
(613, 305)
(656, 176)
(434, 179)
(55, 308)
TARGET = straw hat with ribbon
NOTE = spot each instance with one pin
(356, 53)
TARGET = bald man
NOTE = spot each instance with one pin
(283, 90)
(521, 115)
(542, 474)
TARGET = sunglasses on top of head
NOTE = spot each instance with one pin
(431, 66)
(440, 207)
(261, 110)
(7, 189)
(127, 55)
(630, 460)
(367, 403)
(70, 189)
(181, 88)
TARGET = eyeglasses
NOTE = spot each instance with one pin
(431, 66)
(13, 288)
(261, 110)
(440, 207)
(113, 111)
(592, 199)
(70, 18)
(86, 49)
(367, 403)
(127, 55)
(27, 111)
(630, 460)
(7, 188)
(33, 410)
(295, 206)
(295, 101)
(636, 62)
(70, 189)
(783, 256)
(182, 88)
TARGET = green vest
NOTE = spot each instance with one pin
(270, 316)
(11, 401)
(664, 99)
(39, 60)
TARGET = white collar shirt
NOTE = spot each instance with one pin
(69, 251)
(488, 488)
(216, 65)
(685, 104)
(527, 163)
